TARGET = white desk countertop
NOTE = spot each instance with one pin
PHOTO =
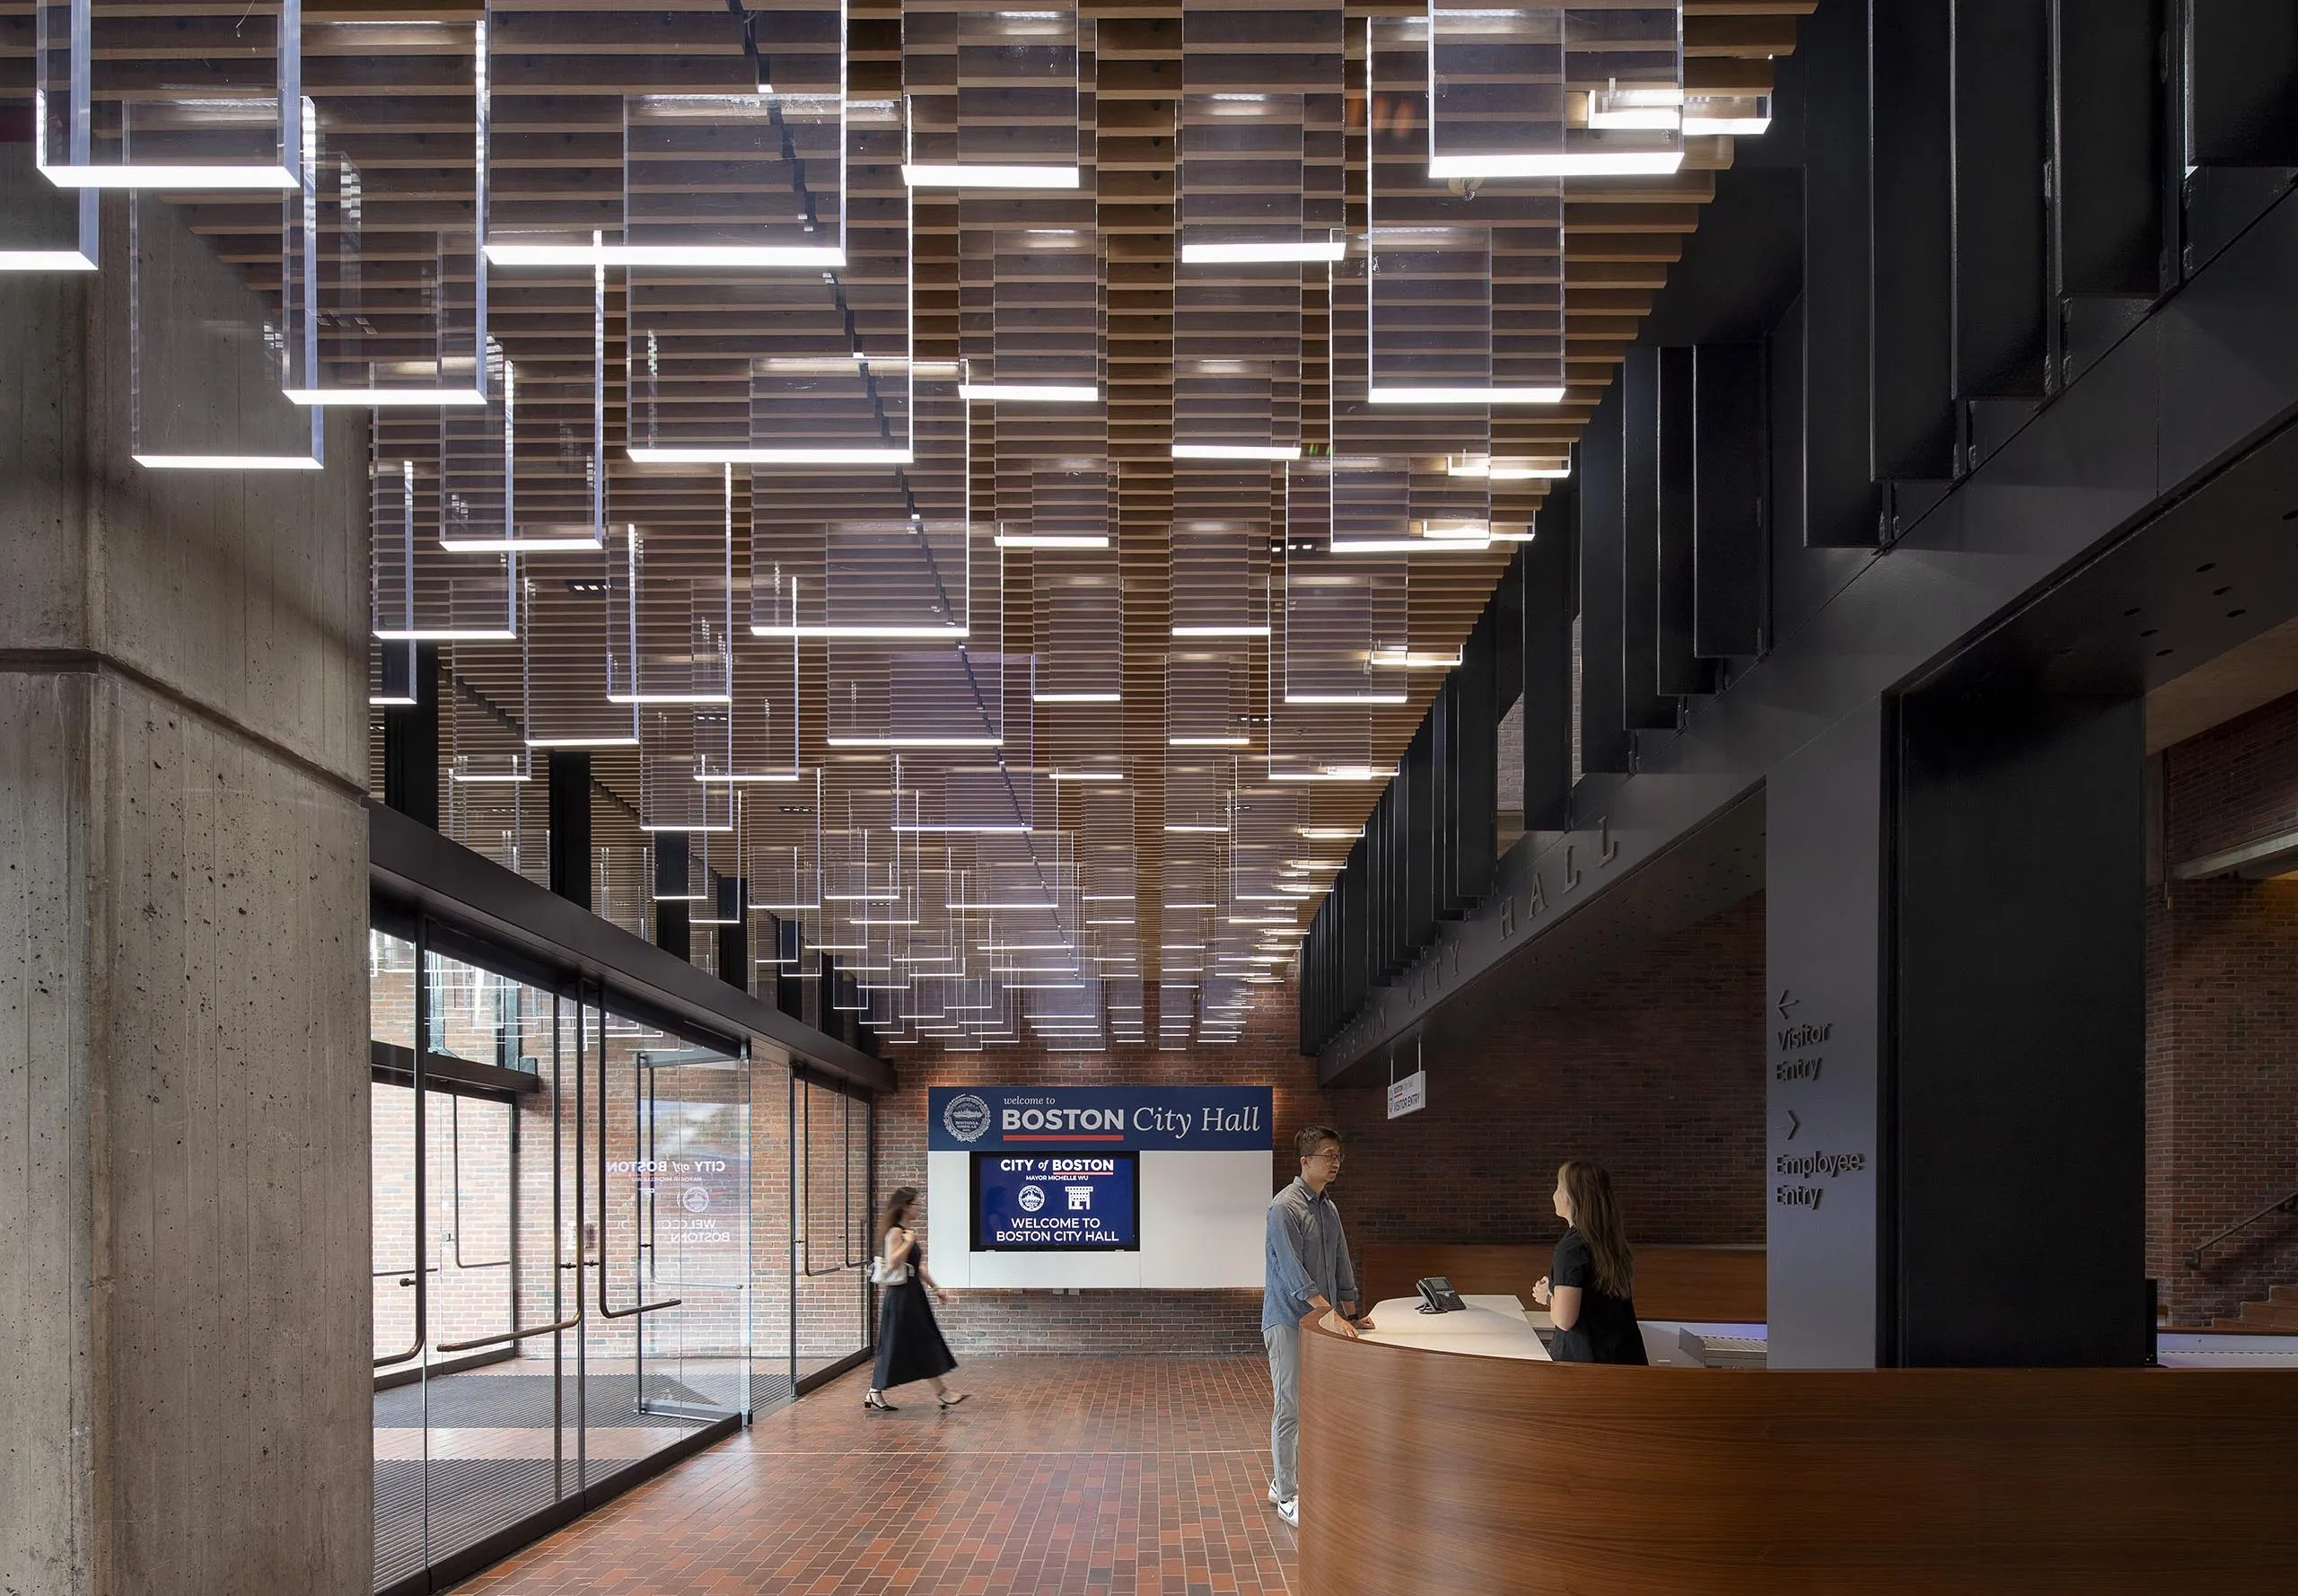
(1490, 1327)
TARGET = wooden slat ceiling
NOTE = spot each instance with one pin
(1193, 541)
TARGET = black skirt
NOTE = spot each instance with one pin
(909, 1342)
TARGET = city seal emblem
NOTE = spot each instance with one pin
(965, 1117)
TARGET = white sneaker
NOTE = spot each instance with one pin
(1274, 1499)
(1289, 1510)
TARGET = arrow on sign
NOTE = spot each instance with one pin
(1788, 1002)
(1794, 1125)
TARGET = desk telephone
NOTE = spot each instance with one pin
(1437, 1297)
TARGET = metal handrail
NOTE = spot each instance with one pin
(638, 1308)
(2284, 1205)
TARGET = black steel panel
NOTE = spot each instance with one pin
(1603, 724)
(1731, 476)
(1840, 501)
(2109, 147)
(1547, 668)
(570, 825)
(2242, 67)
(411, 744)
(1645, 703)
(1912, 320)
(1475, 763)
(1677, 666)
(2002, 142)
(2018, 1153)
(1420, 841)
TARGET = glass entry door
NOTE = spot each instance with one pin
(561, 1253)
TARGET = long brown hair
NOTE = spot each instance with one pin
(897, 1205)
(1595, 1214)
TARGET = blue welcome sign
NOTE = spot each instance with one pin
(1108, 1118)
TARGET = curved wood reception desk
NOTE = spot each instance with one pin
(1452, 1474)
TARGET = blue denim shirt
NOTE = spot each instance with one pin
(1308, 1255)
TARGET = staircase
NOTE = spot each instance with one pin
(2277, 1316)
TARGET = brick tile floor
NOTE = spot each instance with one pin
(1062, 1477)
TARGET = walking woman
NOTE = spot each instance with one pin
(1590, 1292)
(909, 1343)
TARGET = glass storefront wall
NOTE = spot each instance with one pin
(567, 1265)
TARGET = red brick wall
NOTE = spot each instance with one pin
(2221, 1023)
(1657, 1072)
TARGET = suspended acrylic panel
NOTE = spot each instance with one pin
(761, 741)
(991, 96)
(1555, 90)
(897, 561)
(784, 832)
(800, 371)
(969, 795)
(1237, 357)
(1048, 314)
(42, 228)
(563, 669)
(393, 332)
(674, 792)
(100, 124)
(1220, 567)
(670, 611)
(1242, 168)
(750, 174)
(1078, 628)
(951, 697)
(1208, 697)
(476, 511)
(420, 591)
(1339, 616)
(204, 385)
(1053, 503)
(1378, 505)
(557, 445)
(391, 673)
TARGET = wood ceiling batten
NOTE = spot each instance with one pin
(385, 78)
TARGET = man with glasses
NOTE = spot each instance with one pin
(1308, 1269)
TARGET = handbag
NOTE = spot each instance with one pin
(882, 1273)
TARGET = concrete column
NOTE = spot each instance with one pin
(184, 1397)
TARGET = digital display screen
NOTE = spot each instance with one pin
(1057, 1202)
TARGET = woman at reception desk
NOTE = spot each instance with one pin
(1446, 1455)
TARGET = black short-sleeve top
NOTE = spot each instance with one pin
(1605, 1331)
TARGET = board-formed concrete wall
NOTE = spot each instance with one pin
(183, 1035)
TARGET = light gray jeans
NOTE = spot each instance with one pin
(1284, 1344)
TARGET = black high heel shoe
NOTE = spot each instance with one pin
(876, 1401)
(950, 1402)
